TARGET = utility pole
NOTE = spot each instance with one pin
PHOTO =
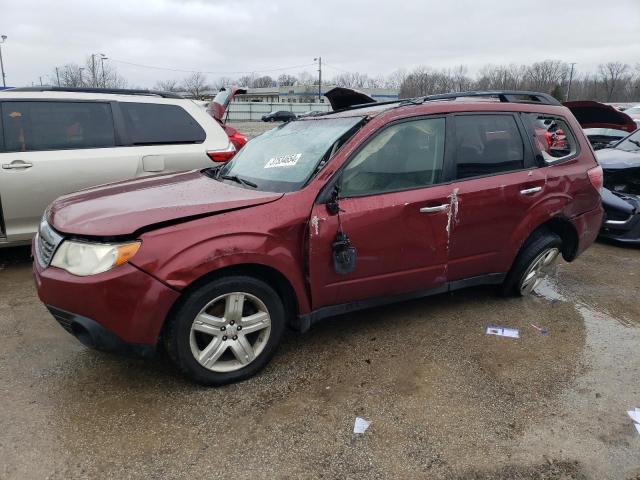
(319, 59)
(94, 77)
(102, 59)
(58, 76)
(4, 77)
(41, 80)
(570, 79)
(81, 81)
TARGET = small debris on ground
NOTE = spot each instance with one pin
(542, 331)
(503, 331)
(635, 416)
(361, 425)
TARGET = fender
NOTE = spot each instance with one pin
(549, 207)
(185, 262)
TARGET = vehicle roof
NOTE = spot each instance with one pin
(87, 96)
(401, 108)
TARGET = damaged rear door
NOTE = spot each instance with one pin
(496, 185)
(394, 211)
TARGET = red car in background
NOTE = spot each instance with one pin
(217, 109)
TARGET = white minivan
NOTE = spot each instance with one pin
(55, 141)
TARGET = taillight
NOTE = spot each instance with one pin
(238, 140)
(596, 178)
(222, 155)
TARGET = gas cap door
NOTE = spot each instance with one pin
(153, 163)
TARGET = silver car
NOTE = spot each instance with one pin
(57, 141)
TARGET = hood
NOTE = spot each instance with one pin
(221, 101)
(341, 97)
(616, 159)
(598, 115)
(123, 208)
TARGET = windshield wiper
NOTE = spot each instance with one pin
(635, 142)
(237, 179)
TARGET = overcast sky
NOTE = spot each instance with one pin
(374, 37)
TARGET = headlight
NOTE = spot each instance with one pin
(84, 258)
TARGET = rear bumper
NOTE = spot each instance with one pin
(587, 226)
(122, 309)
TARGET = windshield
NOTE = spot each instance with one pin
(285, 158)
(631, 143)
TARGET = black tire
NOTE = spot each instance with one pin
(539, 241)
(177, 337)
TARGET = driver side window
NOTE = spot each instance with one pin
(404, 156)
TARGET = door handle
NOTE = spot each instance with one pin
(439, 208)
(17, 165)
(529, 191)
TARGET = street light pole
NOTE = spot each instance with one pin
(4, 81)
(570, 79)
(319, 59)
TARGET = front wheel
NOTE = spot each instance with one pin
(532, 264)
(226, 331)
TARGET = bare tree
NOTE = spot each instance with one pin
(89, 75)
(612, 75)
(195, 85)
(265, 81)
(286, 80)
(167, 85)
(396, 79)
(544, 76)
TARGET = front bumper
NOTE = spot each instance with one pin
(622, 226)
(121, 309)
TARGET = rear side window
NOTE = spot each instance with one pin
(404, 156)
(553, 137)
(152, 124)
(487, 145)
(34, 126)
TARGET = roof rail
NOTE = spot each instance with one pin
(507, 96)
(116, 91)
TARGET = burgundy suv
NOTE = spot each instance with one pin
(321, 216)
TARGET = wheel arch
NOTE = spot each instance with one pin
(270, 275)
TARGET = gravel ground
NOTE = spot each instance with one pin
(445, 400)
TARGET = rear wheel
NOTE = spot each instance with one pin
(226, 331)
(533, 263)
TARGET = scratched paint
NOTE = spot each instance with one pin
(314, 224)
(452, 215)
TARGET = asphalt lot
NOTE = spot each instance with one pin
(445, 400)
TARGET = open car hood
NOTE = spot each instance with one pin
(123, 208)
(341, 97)
(592, 114)
(221, 101)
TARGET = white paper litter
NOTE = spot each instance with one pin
(360, 425)
(503, 331)
(635, 415)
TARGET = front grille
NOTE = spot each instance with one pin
(47, 241)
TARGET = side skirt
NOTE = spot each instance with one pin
(304, 322)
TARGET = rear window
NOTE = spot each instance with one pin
(152, 124)
(487, 145)
(36, 126)
(553, 137)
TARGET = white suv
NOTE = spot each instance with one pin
(55, 141)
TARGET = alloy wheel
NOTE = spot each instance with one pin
(230, 332)
(538, 270)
